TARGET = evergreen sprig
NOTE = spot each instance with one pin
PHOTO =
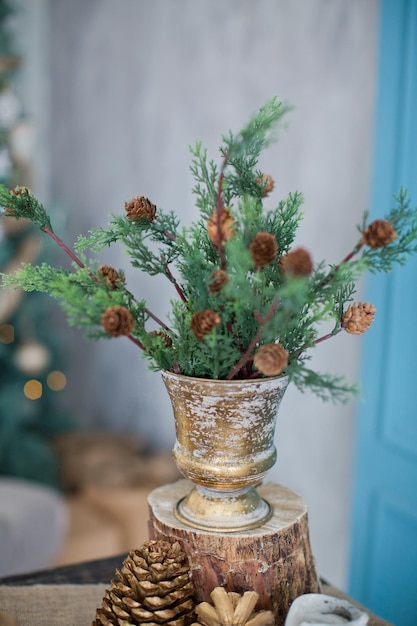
(240, 283)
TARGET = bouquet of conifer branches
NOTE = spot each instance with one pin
(248, 302)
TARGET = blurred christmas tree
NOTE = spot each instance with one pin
(30, 374)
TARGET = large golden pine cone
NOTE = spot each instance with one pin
(227, 224)
(263, 249)
(358, 317)
(271, 358)
(140, 208)
(117, 321)
(296, 263)
(203, 322)
(153, 587)
(379, 234)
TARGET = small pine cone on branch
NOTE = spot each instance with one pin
(111, 275)
(267, 183)
(203, 322)
(232, 609)
(227, 224)
(358, 317)
(140, 208)
(218, 280)
(379, 234)
(117, 321)
(296, 263)
(263, 249)
(167, 341)
(153, 587)
(17, 191)
(271, 358)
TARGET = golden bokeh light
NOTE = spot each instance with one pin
(6, 333)
(56, 380)
(33, 389)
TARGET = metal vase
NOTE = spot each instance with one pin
(225, 445)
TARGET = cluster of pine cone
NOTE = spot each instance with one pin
(270, 359)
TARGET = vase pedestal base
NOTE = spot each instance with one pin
(218, 510)
(274, 559)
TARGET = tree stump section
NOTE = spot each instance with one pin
(274, 559)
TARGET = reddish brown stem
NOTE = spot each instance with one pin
(347, 258)
(319, 340)
(136, 342)
(247, 355)
(176, 285)
(328, 336)
(169, 235)
(219, 213)
(78, 261)
(351, 254)
(62, 245)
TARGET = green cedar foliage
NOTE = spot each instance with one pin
(255, 306)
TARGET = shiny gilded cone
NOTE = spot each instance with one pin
(227, 223)
(117, 321)
(379, 234)
(232, 609)
(152, 587)
(263, 249)
(140, 208)
(297, 263)
(271, 359)
(203, 322)
(358, 317)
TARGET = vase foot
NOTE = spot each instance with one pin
(223, 511)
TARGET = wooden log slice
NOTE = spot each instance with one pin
(275, 559)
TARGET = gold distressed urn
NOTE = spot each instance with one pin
(225, 445)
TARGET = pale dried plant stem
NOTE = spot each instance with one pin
(207, 614)
(224, 606)
(262, 618)
(245, 608)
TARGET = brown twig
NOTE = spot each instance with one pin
(62, 245)
(136, 342)
(248, 352)
(219, 212)
(328, 336)
(80, 264)
(347, 258)
(174, 282)
(169, 235)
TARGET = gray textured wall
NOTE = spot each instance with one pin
(131, 84)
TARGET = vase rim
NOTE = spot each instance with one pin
(223, 380)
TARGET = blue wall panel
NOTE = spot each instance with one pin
(384, 541)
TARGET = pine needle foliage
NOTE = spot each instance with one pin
(239, 281)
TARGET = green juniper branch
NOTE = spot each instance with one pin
(240, 284)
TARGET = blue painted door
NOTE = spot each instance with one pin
(383, 573)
